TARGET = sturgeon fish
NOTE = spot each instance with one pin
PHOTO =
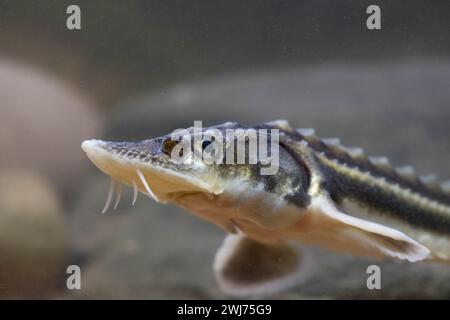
(322, 194)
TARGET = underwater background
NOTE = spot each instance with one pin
(140, 69)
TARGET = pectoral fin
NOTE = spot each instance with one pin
(243, 266)
(364, 237)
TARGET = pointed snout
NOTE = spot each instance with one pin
(89, 146)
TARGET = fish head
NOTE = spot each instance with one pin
(209, 171)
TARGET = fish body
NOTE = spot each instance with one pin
(321, 194)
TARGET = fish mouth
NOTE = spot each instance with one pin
(151, 178)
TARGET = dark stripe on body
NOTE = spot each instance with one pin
(342, 187)
(364, 165)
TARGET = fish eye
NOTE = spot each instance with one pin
(205, 144)
(168, 146)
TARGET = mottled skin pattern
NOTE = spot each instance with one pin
(290, 182)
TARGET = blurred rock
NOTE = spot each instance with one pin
(148, 44)
(155, 251)
(32, 240)
(42, 123)
(382, 108)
